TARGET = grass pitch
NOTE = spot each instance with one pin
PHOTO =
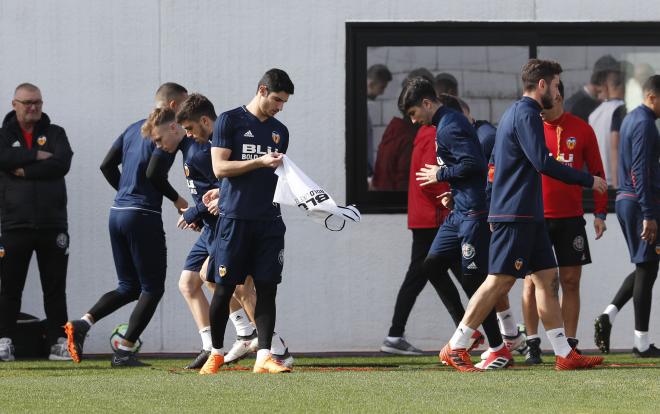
(387, 384)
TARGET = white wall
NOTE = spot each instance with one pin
(98, 64)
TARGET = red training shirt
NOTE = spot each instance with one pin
(425, 211)
(575, 142)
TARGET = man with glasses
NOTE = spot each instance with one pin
(35, 155)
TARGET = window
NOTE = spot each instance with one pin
(484, 61)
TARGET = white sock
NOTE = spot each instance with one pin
(642, 341)
(611, 311)
(241, 323)
(507, 323)
(393, 338)
(277, 345)
(558, 341)
(262, 354)
(125, 347)
(88, 320)
(207, 343)
(461, 337)
(216, 351)
(497, 348)
(533, 336)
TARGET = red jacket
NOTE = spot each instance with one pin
(425, 211)
(577, 144)
(393, 157)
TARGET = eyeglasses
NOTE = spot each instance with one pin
(30, 103)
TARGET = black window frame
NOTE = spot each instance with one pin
(362, 35)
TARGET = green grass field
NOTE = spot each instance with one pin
(387, 384)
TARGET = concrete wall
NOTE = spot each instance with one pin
(98, 64)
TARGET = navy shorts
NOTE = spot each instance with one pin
(138, 248)
(630, 217)
(520, 248)
(569, 239)
(464, 239)
(248, 247)
(200, 251)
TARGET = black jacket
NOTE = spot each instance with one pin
(38, 200)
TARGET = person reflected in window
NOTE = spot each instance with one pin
(378, 76)
(446, 83)
(394, 151)
(606, 121)
(634, 94)
(583, 102)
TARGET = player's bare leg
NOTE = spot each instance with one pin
(569, 279)
(546, 283)
(531, 318)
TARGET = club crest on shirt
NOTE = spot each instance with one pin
(222, 271)
(570, 143)
(276, 137)
(518, 264)
(578, 243)
(468, 251)
(186, 171)
(62, 240)
(2, 252)
(41, 140)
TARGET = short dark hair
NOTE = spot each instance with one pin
(561, 89)
(379, 73)
(276, 80)
(450, 101)
(195, 107)
(616, 77)
(423, 72)
(170, 91)
(536, 69)
(652, 85)
(446, 83)
(414, 92)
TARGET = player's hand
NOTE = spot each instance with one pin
(43, 155)
(447, 200)
(181, 204)
(19, 172)
(272, 159)
(213, 208)
(599, 227)
(210, 196)
(181, 222)
(599, 185)
(426, 174)
(195, 227)
(649, 231)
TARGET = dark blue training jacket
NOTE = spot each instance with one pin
(461, 160)
(639, 165)
(521, 157)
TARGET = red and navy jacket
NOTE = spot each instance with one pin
(521, 157)
(572, 142)
(461, 160)
(425, 209)
(639, 165)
